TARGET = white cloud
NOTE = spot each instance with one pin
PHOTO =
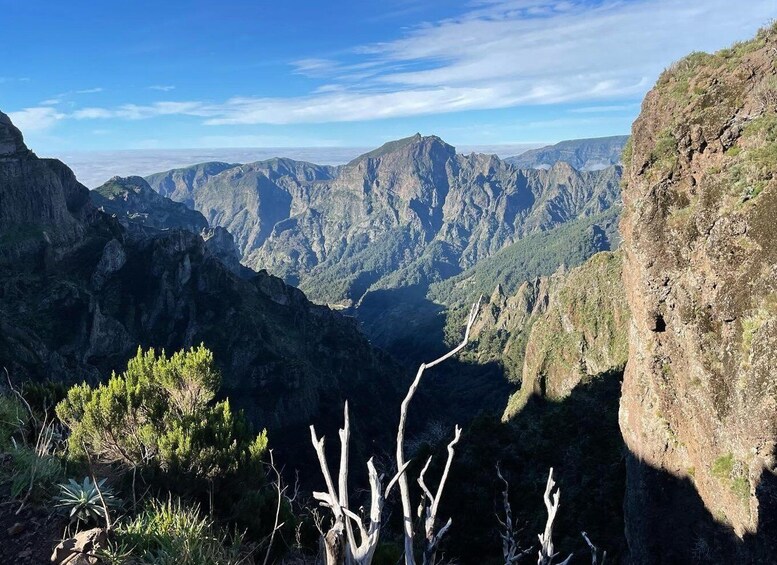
(139, 112)
(89, 90)
(5, 80)
(162, 87)
(500, 53)
(35, 119)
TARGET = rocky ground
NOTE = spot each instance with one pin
(28, 537)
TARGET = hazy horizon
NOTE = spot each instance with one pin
(93, 168)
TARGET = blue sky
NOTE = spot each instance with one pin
(142, 75)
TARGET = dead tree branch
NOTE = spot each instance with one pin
(594, 551)
(404, 487)
(547, 553)
(341, 543)
(511, 551)
(433, 536)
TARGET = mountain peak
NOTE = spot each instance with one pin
(117, 185)
(404, 144)
(11, 139)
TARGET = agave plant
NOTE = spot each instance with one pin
(82, 500)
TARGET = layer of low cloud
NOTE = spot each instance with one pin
(93, 168)
(501, 53)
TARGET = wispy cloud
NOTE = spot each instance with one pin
(139, 112)
(89, 90)
(6, 80)
(35, 119)
(162, 87)
(499, 53)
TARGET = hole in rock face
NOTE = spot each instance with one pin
(659, 324)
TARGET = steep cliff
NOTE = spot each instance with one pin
(698, 411)
(140, 209)
(556, 331)
(41, 203)
(566, 337)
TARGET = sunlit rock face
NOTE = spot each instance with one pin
(698, 411)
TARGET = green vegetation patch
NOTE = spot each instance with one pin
(723, 466)
(171, 533)
(730, 471)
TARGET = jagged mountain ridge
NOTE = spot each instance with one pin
(583, 154)
(341, 231)
(131, 199)
(79, 293)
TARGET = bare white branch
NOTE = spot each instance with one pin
(340, 542)
(331, 495)
(404, 487)
(432, 535)
(511, 551)
(594, 551)
(547, 553)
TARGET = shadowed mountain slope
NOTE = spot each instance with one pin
(79, 293)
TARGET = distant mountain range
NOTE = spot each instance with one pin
(583, 154)
(403, 216)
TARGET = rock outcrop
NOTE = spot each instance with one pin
(41, 204)
(699, 405)
(133, 201)
(81, 549)
(557, 332)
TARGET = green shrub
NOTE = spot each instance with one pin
(160, 420)
(160, 413)
(723, 466)
(732, 472)
(32, 476)
(628, 154)
(14, 419)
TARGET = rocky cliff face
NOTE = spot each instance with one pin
(143, 211)
(559, 331)
(105, 290)
(41, 203)
(698, 411)
(565, 336)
